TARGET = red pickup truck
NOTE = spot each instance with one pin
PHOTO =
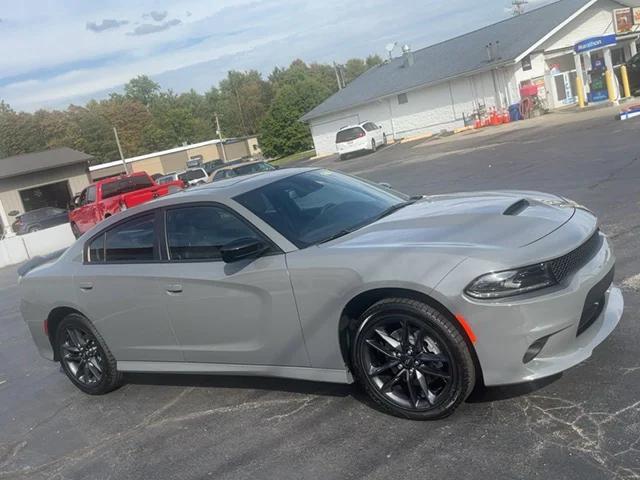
(112, 195)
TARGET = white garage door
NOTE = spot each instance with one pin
(324, 133)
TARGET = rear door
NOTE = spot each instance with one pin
(121, 287)
(240, 313)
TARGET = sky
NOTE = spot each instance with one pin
(57, 52)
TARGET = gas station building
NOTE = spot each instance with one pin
(573, 51)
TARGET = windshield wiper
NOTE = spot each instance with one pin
(394, 208)
(387, 212)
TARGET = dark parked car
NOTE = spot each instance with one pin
(242, 169)
(40, 219)
(212, 166)
(633, 69)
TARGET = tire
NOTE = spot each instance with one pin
(34, 228)
(384, 139)
(85, 357)
(76, 231)
(418, 380)
(374, 147)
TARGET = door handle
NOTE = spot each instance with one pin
(86, 286)
(177, 288)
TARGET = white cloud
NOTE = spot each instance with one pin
(66, 62)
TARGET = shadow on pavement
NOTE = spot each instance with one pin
(491, 394)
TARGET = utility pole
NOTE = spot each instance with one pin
(219, 132)
(115, 133)
(338, 76)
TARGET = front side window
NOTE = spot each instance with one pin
(198, 232)
(91, 194)
(314, 206)
(191, 175)
(132, 241)
(370, 127)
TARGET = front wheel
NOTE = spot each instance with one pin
(85, 357)
(411, 360)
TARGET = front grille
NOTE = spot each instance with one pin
(594, 304)
(563, 266)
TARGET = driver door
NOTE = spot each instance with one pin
(240, 313)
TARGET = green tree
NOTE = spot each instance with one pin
(244, 99)
(142, 89)
(282, 132)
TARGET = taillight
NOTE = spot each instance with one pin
(45, 327)
(361, 134)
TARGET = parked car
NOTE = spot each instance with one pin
(212, 166)
(312, 274)
(168, 178)
(112, 195)
(356, 138)
(239, 169)
(40, 219)
(633, 71)
(194, 176)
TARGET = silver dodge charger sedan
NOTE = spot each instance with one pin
(316, 275)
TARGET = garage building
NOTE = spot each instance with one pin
(175, 159)
(42, 179)
(441, 86)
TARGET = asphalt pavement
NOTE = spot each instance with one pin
(584, 424)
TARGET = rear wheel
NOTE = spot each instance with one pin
(374, 147)
(34, 228)
(411, 360)
(85, 357)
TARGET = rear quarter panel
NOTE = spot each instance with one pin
(43, 290)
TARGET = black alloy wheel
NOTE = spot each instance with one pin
(412, 361)
(85, 357)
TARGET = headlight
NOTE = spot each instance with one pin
(512, 282)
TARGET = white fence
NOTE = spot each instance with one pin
(15, 250)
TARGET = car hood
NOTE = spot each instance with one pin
(505, 219)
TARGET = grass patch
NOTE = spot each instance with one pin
(294, 157)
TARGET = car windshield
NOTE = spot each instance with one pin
(319, 205)
(190, 175)
(252, 168)
(349, 134)
(125, 185)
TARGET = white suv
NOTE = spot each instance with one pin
(355, 138)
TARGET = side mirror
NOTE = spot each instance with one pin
(385, 185)
(13, 213)
(242, 248)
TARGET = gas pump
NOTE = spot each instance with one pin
(597, 80)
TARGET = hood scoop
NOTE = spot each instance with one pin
(517, 207)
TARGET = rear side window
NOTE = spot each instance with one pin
(349, 134)
(96, 250)
(190, 175)
(132, 241)
(370, 127)
(124, 185)
(198, 232)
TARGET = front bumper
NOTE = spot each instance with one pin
(506, 328)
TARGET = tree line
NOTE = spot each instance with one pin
(149, 119)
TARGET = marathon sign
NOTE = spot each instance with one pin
(594, 43)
